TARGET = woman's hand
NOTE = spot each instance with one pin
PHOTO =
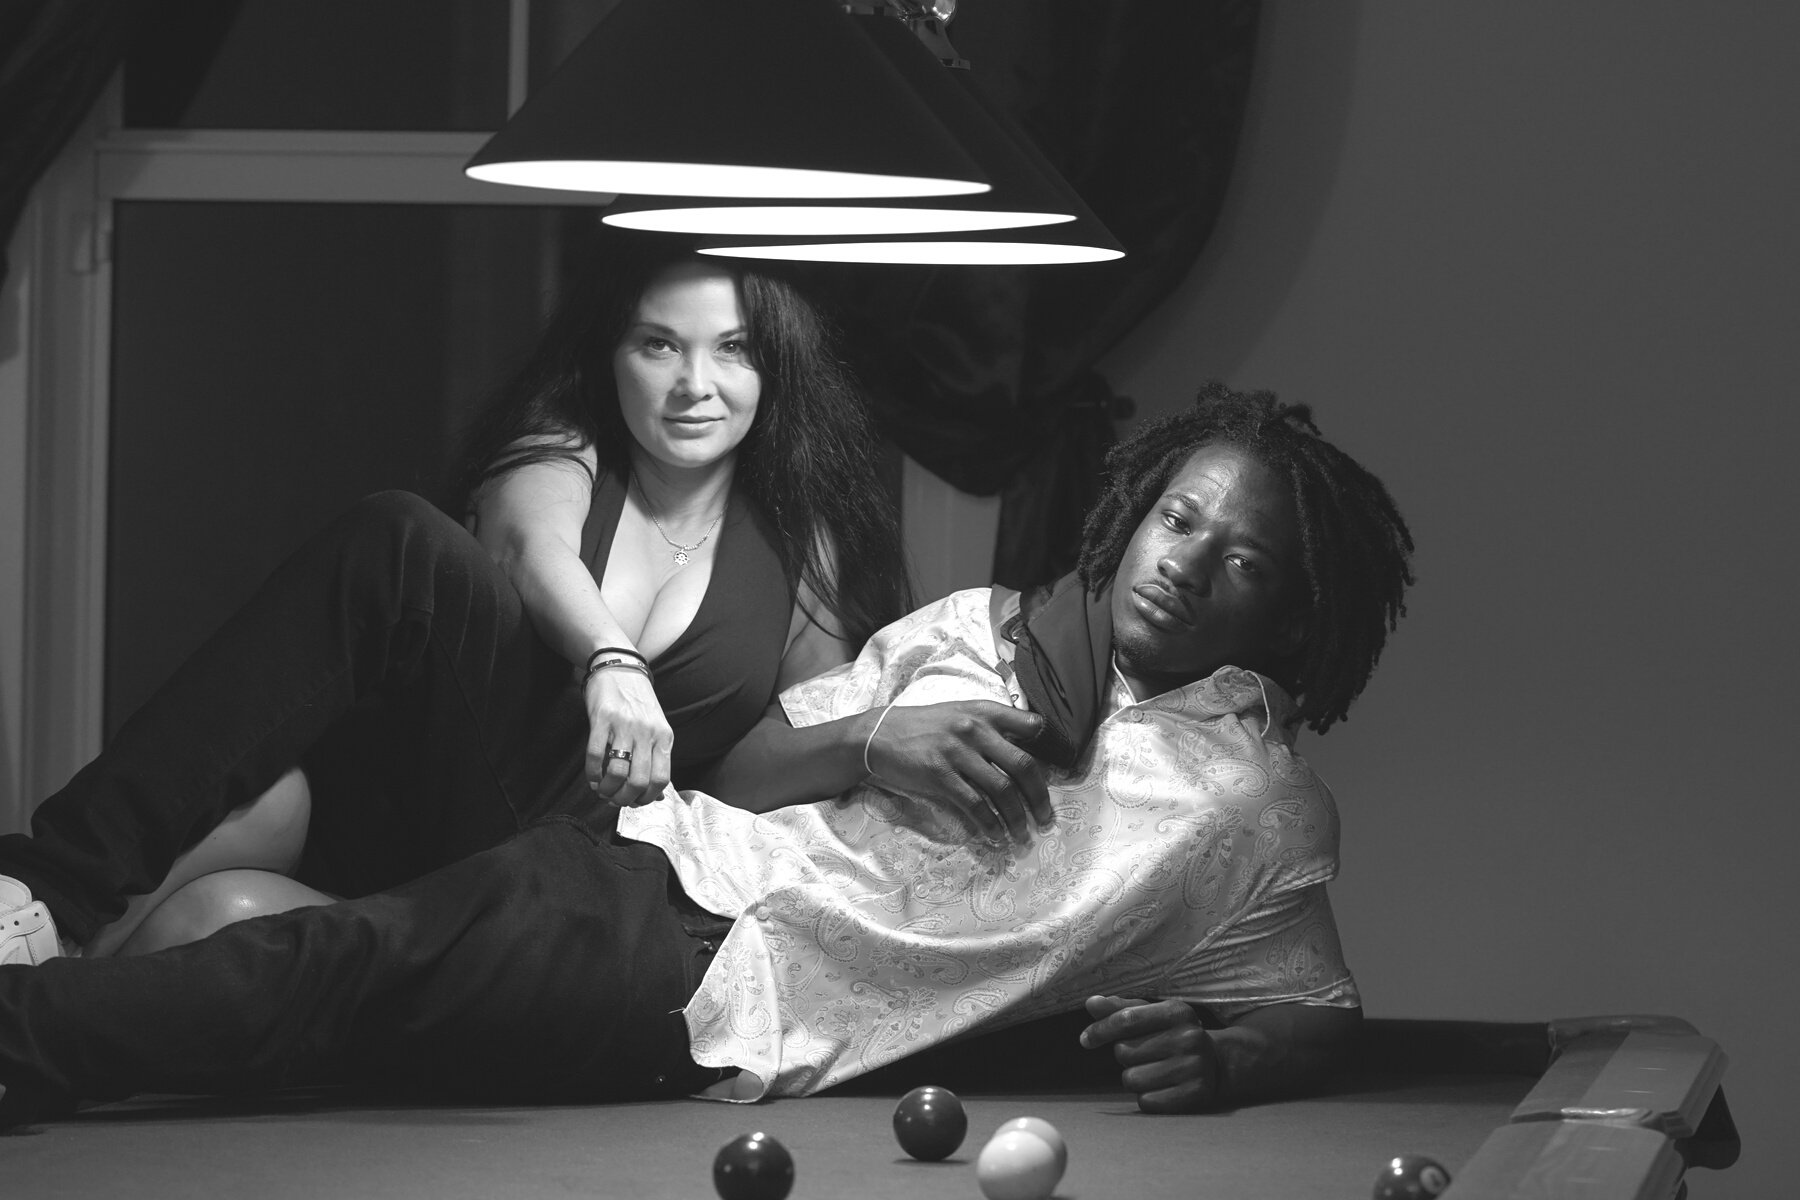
(963, 754)
(628, 737)
(530, 520)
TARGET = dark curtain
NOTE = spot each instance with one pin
(985, 375)
(55, 57)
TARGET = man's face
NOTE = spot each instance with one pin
(1212, 577)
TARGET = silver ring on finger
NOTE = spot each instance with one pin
(623, 756)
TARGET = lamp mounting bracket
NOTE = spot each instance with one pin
(926, 18)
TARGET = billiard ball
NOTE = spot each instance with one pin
(1017, 1165)
(1045, 1130)
(1411, 1177)
(929, 1123)
(753, 1167)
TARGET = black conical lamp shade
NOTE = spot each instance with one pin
(744, 98)
(1081, 239)
(1026, 192)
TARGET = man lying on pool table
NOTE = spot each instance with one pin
(832, 912)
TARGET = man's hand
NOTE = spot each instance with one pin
(960, 754)
(1175, 1065)
(963, 754)
(1169, 1060)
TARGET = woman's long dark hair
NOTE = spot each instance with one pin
(809, 460)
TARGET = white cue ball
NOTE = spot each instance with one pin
(1017, 1165)
(1045, 1130)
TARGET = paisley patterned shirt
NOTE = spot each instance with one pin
(1188, 860)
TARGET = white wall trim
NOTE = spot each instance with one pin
(64, 343)
(16, 305)
(949, 534)
(306, 166)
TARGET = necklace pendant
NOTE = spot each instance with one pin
(681, 558)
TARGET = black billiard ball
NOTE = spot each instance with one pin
(753, 1167)
(930, 1123)
(1411, 1177)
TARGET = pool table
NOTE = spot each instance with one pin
(1602, 1108)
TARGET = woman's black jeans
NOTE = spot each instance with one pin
(394, 661)
(390, 658)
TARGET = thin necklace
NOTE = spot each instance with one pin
(681, 552)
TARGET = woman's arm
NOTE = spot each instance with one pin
(961, 754)
(775, 765)
(812, 648)
(529, 520)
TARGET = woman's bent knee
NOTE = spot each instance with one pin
(214, 901)
(268, 833)
(406, 512)
(399, 532)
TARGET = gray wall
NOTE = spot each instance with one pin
(1536, 264)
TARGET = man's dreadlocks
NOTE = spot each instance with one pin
(1355, 546)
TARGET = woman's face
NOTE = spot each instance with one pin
(687, 387)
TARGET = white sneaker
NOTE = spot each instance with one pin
(28, 936)
(13, 894)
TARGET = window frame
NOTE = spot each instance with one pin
(55, 384)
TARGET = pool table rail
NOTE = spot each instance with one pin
(1623, 1107)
